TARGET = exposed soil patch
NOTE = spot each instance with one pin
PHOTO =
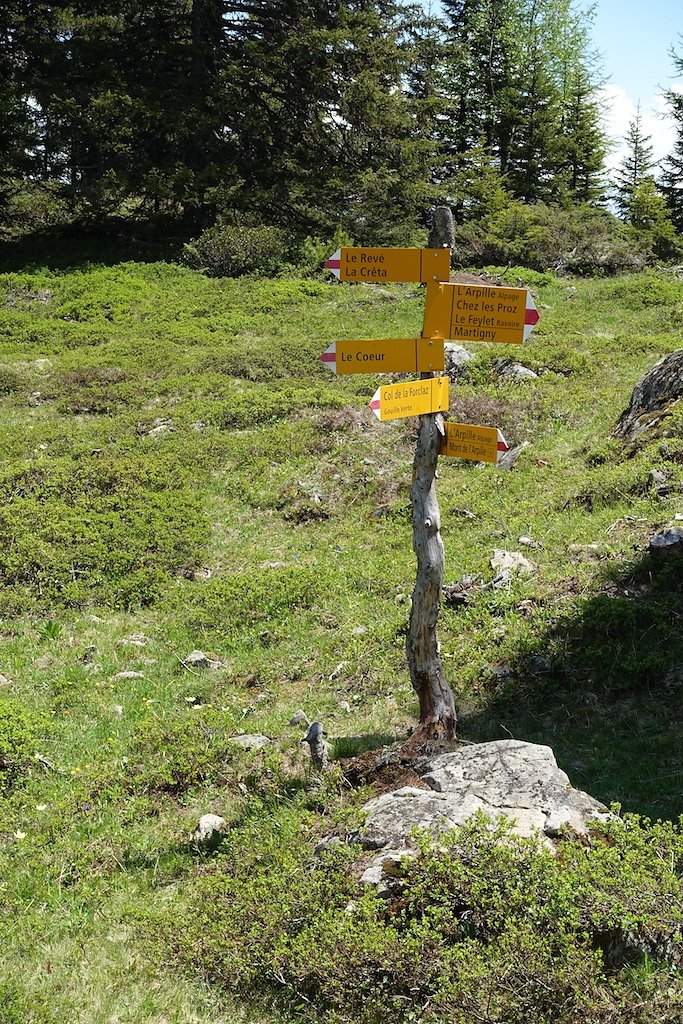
(384, 770)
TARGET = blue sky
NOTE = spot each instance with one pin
(634, 38)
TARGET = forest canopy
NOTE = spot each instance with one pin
(313, 116)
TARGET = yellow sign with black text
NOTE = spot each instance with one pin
(467, 312)
(383, 264)
(477, 444)
(411, 398)
(386, 355)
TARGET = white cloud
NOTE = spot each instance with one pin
(619, 109)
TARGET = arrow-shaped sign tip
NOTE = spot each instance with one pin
(375, 403)
(333, 264)
(503, 446)
(329, 357)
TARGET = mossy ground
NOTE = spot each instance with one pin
(179, 471)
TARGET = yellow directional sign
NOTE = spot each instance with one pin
(412, 398)
(389, 355)
(478, 444)
(419, 265)
(468, 312)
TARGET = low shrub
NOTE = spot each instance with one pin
(112, 529)
(229, 251)
(232, 604)
(580, 240)
(644, 290)
(174, 754)
(10, 380)
(17, 743)
(486, 926)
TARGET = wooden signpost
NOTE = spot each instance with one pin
(458, 311)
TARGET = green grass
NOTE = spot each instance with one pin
(179, 471)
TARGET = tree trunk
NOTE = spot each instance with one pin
(437, 706)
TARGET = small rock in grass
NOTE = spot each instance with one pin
(197, 659)
(160, 427)
(344, 705)
(527, 542)
(460, 592)
(658, 481)
(512, 560)
(199, 425)
(503, 578)
(299, 718)
(514, 371)
(4, 682)
(359, 631)
(456, 358)
(209, 830)
(129, 675)
(251, 741)
(667, 543)
(134, 640)
(509, 459)
(336, 672)
(118, 710)
(374, 876)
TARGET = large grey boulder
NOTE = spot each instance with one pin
(653, 398)
(506, 778)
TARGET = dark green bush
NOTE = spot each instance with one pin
(486, 927)
(17, 742)
(578, 240)
(110, 529)
(10, 380)
(227, 251)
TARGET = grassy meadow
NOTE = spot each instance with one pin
(179, 471)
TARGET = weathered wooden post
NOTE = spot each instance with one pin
(438, 717)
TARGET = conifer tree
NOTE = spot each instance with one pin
(672, 173)
(524, 84)
(635, 167)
